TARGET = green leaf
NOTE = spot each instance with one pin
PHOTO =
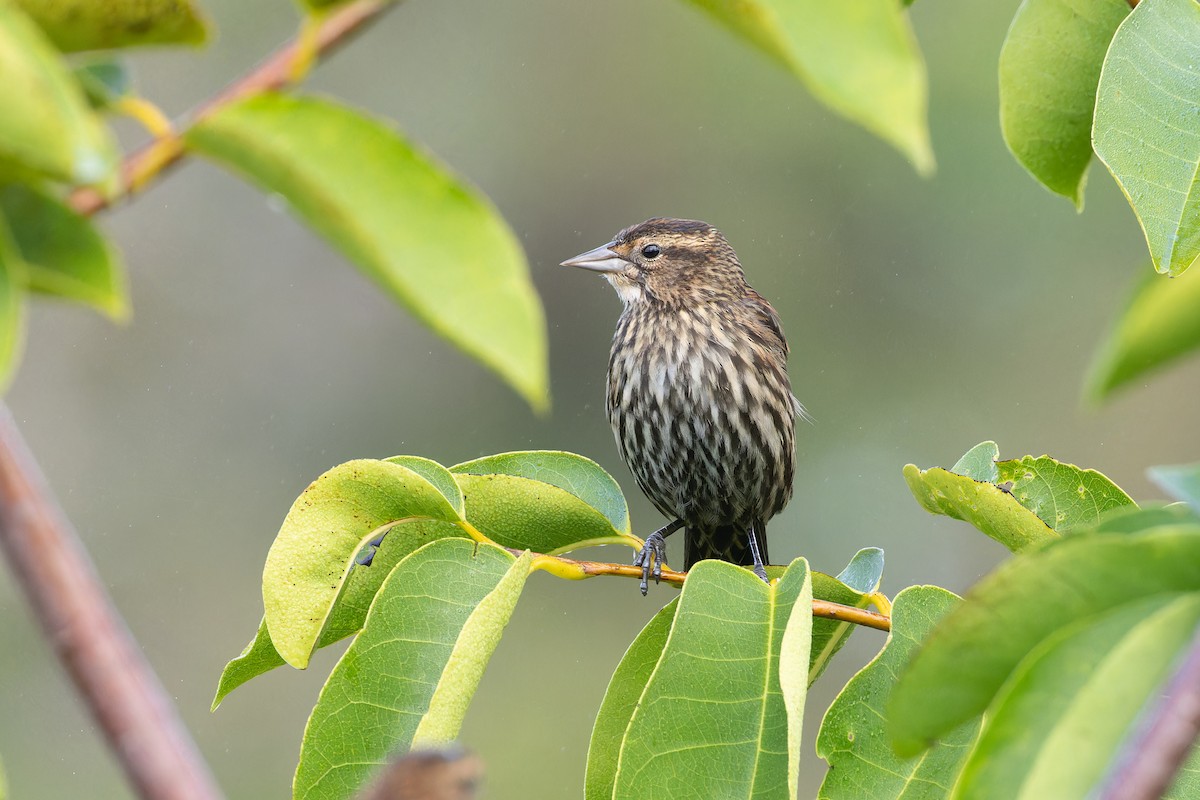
(860, 59)
(1058, 724)
(1145, 129)
(620, 699)
(349, 609)
(975, 649)
(1135, 520)
(1040, 496)
(829, 635)
(1049, 68)
(1159, 325)
(12, 307)
(734, 672)
(1187, 780)
(1182, 483)
(532, 515)
(45, 122)
(1062, 495)
(979, 463)
(104, 81)
(64, 254)
(434, 243)
(864, 571)
(308, 564)
(75, 25)
(408, 678)
(572, 473)
(437, 475)
(852, 736)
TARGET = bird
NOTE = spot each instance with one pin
(698, 394)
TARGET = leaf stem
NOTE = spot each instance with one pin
(571, 569)
(88, 635)
(278, 70)
(1147, 763)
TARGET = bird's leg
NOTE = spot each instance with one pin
(759, 569)
(654, 553)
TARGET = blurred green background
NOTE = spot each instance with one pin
(924, 316)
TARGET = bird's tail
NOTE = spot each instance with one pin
(727, 543)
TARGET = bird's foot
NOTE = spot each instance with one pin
(650, 558)
(761, 572)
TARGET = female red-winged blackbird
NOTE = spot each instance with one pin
(698, 391)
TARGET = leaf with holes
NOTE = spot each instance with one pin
(333, 519)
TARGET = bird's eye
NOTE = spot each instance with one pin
(651, 251)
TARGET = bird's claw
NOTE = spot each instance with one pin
(761, 572)
(650, 558)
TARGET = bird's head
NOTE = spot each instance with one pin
(675, 262)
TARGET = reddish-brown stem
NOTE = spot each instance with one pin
(1150, 759)
(88, 635)
(150, 161)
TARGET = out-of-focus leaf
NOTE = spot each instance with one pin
(971, 654)
(1182, 483)
(1030, 500)
(1049, 68)
(45, 122)
(309, 562)
(1145, 129)
(1136, 520)
(434, 243)
(572, 473)
(1160, 324)
(104, 81)
(349, 609)
(408, 678)
(1059, 722)
(12, 307)
(532, 515)
(108, 24)
(64, 254)
(859, 58)
(1187, 780)
(853, 738)
(620, 699)
(734, 667)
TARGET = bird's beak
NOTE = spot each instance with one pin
(602, 259)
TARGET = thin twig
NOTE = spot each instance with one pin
(278, 70)
(88, 635)
(578, 570)
(1150, 758)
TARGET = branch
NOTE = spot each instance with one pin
(278, 70)
(578, 570)
(1146, 766)
(88, 635)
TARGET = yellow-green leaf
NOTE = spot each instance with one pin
(860, 58)
(46, 124)
(433, 242)
(12, 307)
(106, 24)
(1160, 325)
